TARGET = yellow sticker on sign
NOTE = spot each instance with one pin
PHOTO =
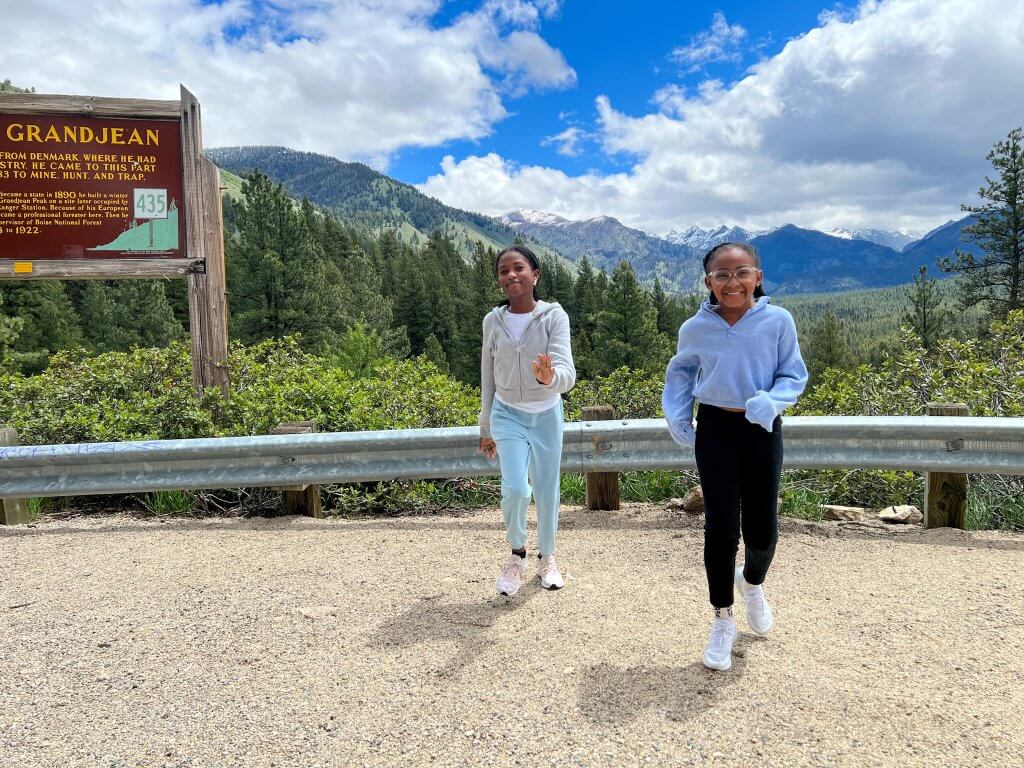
(22, 267)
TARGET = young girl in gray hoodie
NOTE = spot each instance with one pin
(525, 366)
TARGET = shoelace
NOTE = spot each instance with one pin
(718, 634)
(547, 565)
(511, 570)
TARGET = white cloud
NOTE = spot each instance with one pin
(357, 79)
(568, 141)
(719, 43)
(882, 118)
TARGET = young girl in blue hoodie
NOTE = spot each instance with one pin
(525, 366)
(739, 358)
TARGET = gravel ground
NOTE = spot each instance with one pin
(293, 642)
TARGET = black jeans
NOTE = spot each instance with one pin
(739, 465)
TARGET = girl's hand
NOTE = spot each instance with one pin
(542, 370)
(488, 447)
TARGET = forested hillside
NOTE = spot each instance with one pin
(367, 199)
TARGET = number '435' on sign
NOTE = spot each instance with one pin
(150, 203)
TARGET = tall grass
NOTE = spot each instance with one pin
(169, 502)
(995, 502)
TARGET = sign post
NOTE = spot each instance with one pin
(108, 189)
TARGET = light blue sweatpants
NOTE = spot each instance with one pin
(529, 449)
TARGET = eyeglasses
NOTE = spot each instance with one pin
(721, 276)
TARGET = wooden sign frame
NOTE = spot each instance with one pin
(203, 265)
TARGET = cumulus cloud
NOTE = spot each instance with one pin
(568, 141)
(881, 117)
(719, 43)
(358, 79)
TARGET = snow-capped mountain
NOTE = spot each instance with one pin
(605, 242)
(530, 216)
(895, 239)
(705, 239)
(795, 259)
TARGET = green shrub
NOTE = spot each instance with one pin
(147, 394)
(633, 394)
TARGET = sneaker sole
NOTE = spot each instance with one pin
(551, 587)
(724, 667)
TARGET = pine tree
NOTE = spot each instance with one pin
(388, 253)
(434, 353)
(996, 279)
(49, 322)
(281, 281)
(626, 331)
(482, 295)
(366, 303)
(10, 328)
(556, 284)
(828, 348)
(412, 309)
(127, 314)
(585, 298)
(926, 314)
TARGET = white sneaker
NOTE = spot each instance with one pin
(759, 613)
(718, 652)
(512, 575)
(547, 570)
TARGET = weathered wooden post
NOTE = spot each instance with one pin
(299, 499)
(945, 496)
(602, 487)
(12, 511)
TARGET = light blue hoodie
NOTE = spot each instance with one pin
(754, 364)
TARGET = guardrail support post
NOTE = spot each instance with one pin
(299, 499)
(12, 511)
(602, 487)
(945, 495)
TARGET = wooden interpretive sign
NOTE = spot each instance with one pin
(108, 189)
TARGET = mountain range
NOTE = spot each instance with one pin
(795, 260)
(367, 199)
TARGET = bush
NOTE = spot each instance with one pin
(987, 374)
(633, 394)
(147, 394)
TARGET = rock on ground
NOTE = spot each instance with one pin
(293, 642)
(907, 514)
(836, 512)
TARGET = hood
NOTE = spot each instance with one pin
(543, 307)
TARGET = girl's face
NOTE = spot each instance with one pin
(732, 276)
(515, 275)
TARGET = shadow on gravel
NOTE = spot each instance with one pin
(612, 695)
(433, 622)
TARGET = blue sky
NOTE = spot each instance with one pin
(663, 114)
(622, 50)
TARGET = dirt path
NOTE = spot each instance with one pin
(293, 642)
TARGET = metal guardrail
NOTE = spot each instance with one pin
(919, 443)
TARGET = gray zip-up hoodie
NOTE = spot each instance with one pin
(505, 365)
